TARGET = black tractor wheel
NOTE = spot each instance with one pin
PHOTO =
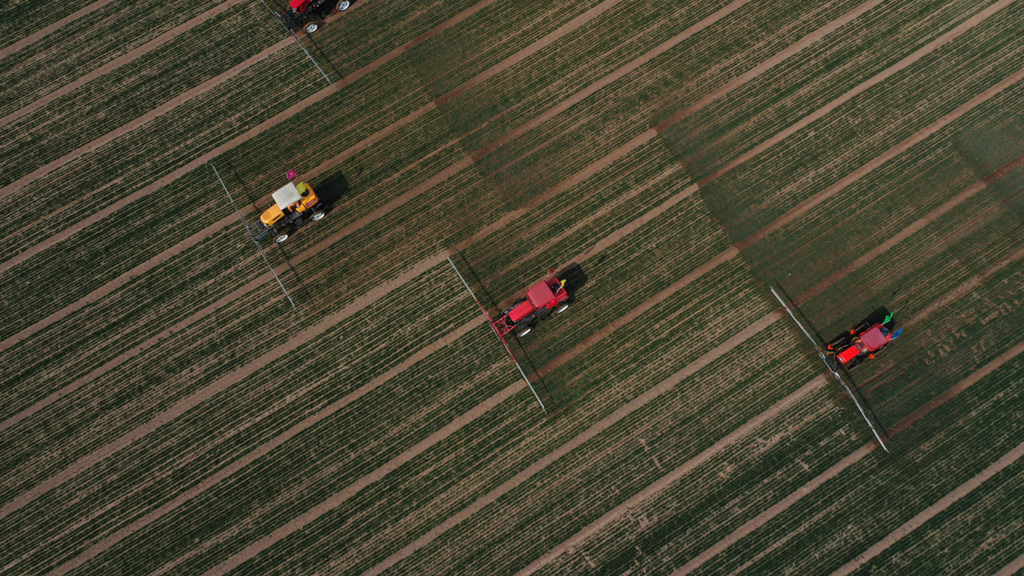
(525, 332)
(310, 28)
(343, 5)
(281, 238)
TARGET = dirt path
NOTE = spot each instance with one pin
(118, 62)
(36, 36)
(142, 121)
(379, 291)
(264, 449)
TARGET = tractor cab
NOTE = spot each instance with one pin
(293, 206)
(539, 302)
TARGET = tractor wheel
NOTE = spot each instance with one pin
(562, 308)
(281, 238)
(525, 332)
(317, 216)
(309, 29)
(343, 5)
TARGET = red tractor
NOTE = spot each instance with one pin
(547, 296)
(864, 340)
(304, 14)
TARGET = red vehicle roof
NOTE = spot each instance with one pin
(521, 311)
(876, 337)
(296, 4)
(541, 295)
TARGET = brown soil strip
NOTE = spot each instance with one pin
(120, 61)
(118, 282)
(36, 36)
(264, 449)
(567, 28)
(607, 80)
(380, 290)
(902, 235)
(675, 475)
(1012, 568)
(143, 120)
(642, 400)
(873, 81)
(933, 510)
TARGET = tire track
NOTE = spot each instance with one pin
(220, 384)
(264, 449)
(932, 511)
(36, 36)
(117, 63)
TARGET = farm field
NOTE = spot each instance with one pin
(165, 410)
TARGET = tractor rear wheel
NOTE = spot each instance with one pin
(343, 5)
(562, 308)
(317, 216)
(525, 332)
(281, 238)
(309, 29)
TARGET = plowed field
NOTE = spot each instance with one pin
(166, 411)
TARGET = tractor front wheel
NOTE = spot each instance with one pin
(281, 238)
(343, 5)
(562, 308)
(525, 332)
(309, 29)
(317, 216)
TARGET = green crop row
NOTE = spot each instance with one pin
(133, 90)
(82, 45)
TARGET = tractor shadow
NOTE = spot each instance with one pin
(322, 56)
(855, 387)
(332, 190)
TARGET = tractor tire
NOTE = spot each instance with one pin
(309, 29)
(343, 5)
(525, 332)
(317, 216)
(562, 308)
(281, 238)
